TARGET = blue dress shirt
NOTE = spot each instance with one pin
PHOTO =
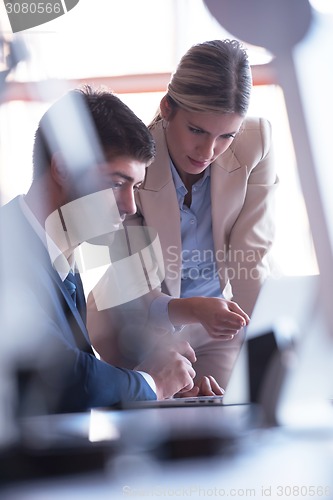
(199, 270)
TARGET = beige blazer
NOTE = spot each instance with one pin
(243, 182)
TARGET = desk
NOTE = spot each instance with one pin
(258, 463)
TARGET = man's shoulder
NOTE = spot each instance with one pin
(11, 214)
(19, 245)
(12, 222)
(10, 207)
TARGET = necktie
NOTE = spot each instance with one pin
(74, 286)
(70, 284)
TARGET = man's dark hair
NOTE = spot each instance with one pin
(119, 130)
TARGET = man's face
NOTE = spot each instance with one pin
(97, 202)
(111, 186)
(123, 175)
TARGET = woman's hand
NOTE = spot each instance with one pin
(220, 317)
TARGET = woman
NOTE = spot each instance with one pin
(209, 196)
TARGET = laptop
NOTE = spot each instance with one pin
(251, 400)
(285, 304)
(279, 323)
(280, 314)
(175, 402)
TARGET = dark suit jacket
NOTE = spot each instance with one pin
(44, 310)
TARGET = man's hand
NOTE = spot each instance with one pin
(170, 365)
(220, 317)
(207, 386)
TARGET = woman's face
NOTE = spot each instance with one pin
(195, 140)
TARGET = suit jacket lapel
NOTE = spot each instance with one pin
(42, 266)
(227, 195)
(80, 299)
(73, 309)
(159, 192)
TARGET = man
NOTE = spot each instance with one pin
(90, 151)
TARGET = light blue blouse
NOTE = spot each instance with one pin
(199, 270)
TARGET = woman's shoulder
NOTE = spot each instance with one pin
(256, 124)
(254, 138)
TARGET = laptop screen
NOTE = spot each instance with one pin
(281, 313)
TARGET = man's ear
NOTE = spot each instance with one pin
(59, 170)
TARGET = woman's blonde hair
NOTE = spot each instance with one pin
(213, 76)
